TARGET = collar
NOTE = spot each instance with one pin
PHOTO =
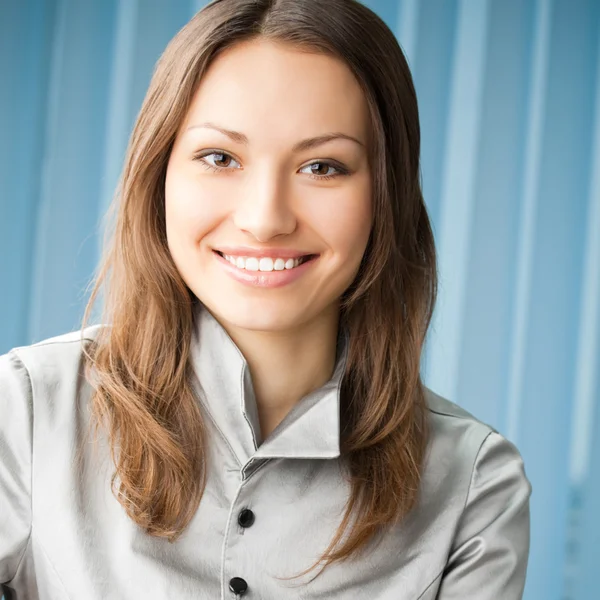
(310, 430)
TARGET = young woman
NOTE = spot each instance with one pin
(250, 420)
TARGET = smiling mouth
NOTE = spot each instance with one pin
(265, 264)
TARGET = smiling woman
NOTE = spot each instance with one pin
(269, 201)
(255, 389)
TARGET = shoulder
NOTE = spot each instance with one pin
(43, 374)
(463, 450)
(451, 424)
(52, 359)
(42, 388)
(54, 351)
(475, 502)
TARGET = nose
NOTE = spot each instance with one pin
(264, 208)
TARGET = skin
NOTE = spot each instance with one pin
(264, 193)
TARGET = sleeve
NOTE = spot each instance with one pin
(16, 425)
(488, 559)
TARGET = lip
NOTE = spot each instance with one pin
(265, 279)
(271, 252)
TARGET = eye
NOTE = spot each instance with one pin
(324, 170)
(216, 160)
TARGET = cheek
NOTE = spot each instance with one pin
(190, 210)
(345, 222)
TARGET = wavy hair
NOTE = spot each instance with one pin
(140, 364)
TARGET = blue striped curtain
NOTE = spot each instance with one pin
(509, 96)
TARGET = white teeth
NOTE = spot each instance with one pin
(251, 264)
(264, 264)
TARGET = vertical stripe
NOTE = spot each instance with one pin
(119, 101)
(432, 72)
(42, 234)
(119, 122)
(26, 30)
(66, 249)
(585, 458)
(533, 137)
(489, 285)
(587, 378)
(407, 29)
(458, 196)
(551, 340)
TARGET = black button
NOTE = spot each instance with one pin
(238, 585)
(246, 517)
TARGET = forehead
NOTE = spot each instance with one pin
(270, 89)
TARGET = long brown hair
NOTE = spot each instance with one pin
(140, 363)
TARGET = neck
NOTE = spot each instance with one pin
(287, 365)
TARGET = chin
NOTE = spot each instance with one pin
(257, 315)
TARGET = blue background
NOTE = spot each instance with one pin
(509, 94)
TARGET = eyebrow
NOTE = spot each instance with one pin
(302, 145)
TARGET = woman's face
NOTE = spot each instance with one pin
(271, 165)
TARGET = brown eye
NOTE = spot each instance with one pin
(221, 160)
(319, 168)
(217, 161)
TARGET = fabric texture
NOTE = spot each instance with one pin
(63, 535)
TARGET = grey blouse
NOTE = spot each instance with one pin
(270, 507)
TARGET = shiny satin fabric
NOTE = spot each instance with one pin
(64, 536)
